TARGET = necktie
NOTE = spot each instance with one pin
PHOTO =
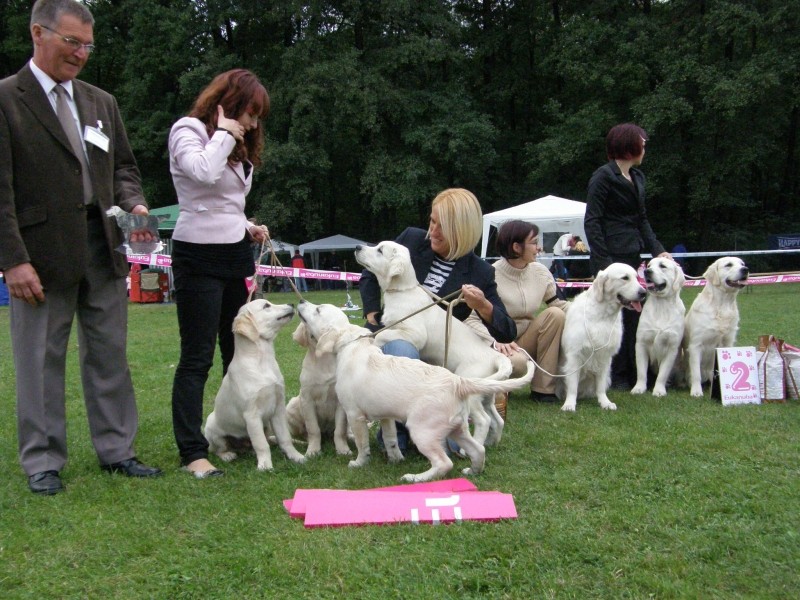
(71, 129)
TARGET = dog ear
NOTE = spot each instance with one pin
(245, 325)
(301, 336)
(599, 286)
(396, 266)
(327, 341)
(711, 275)
(680, 279)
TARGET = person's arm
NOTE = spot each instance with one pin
(128, 194)
(593, 221)
(645, 230)
(201, 161)
(486, 302)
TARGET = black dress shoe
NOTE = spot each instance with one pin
(131, 468)
(542, 397)
(46, 483)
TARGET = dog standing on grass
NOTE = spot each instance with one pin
(430, 400)
(251, 397)
(660, 331)
(593, 334)
(713, 320)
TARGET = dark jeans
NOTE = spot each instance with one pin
(206, 307)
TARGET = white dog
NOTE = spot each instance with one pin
(251, 397)
(468, 355)
(713, 320)
(593, 334)
(660, 331)
(316, 409)
(430, 400)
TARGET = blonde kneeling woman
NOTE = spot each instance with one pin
(524, 285)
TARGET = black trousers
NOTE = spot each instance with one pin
(206, 307)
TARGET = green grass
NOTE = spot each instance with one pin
(664, 498)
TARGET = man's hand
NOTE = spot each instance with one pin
(23, 283)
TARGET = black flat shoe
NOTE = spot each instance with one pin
(45, 483)
(541, 397)
(131, 468)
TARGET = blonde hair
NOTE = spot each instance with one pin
(461, 220)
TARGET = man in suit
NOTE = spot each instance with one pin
(57, 247)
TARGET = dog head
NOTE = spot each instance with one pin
(324, 324)
(727, 273)
(262, 319)
(664, 277)
(618, 283)
(390, 262)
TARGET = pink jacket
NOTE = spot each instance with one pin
(211, 193)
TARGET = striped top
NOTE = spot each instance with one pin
(438, 274)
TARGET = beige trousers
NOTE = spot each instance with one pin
(542, 341)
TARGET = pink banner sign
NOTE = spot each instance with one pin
(336, 508)
(297, 505)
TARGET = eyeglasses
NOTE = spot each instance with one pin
(71, 41)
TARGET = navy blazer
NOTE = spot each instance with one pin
(469, 269)
(615, 223)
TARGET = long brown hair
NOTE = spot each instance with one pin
(237, 91)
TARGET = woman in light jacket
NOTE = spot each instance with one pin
(212, 152)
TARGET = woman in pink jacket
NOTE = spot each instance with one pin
(212, 155)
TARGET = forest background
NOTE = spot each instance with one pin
(379, 104)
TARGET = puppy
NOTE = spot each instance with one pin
(251, 396)
(431, 400)
(713, 320)
(660, 331)
(468, 355)
(593, 334)
(316, 409)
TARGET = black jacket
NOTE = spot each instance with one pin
(468, 269)
(616, 222)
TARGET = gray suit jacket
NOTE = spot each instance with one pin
(42, 216)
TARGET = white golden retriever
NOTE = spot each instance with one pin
(316, 410)
(468, 355)
(713, 320)
(430, 400)
(251, 397)
(660, 331)
(593, 334)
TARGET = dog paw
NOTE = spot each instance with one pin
(299, 459)
(639, 389)
(697, 392)
(355, 464)
(344, 452)
(409, 478)
(567, 407)
(312, 453)
(659, 391)
(264, 466)
(467, 471)
(227, 456)
(609, 406)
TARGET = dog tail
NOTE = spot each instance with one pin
(488, 385)
(502, 366)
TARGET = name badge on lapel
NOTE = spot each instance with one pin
(95, 136)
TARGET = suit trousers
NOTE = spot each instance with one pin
(206, 307)
(542, 340)
(40, 338)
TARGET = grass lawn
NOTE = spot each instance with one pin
(664, 498)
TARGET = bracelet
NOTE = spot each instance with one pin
(228, 131)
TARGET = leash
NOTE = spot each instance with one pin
(274, 261)
(458, 295)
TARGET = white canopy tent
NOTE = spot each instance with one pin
(334, 242)
(550, 214)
